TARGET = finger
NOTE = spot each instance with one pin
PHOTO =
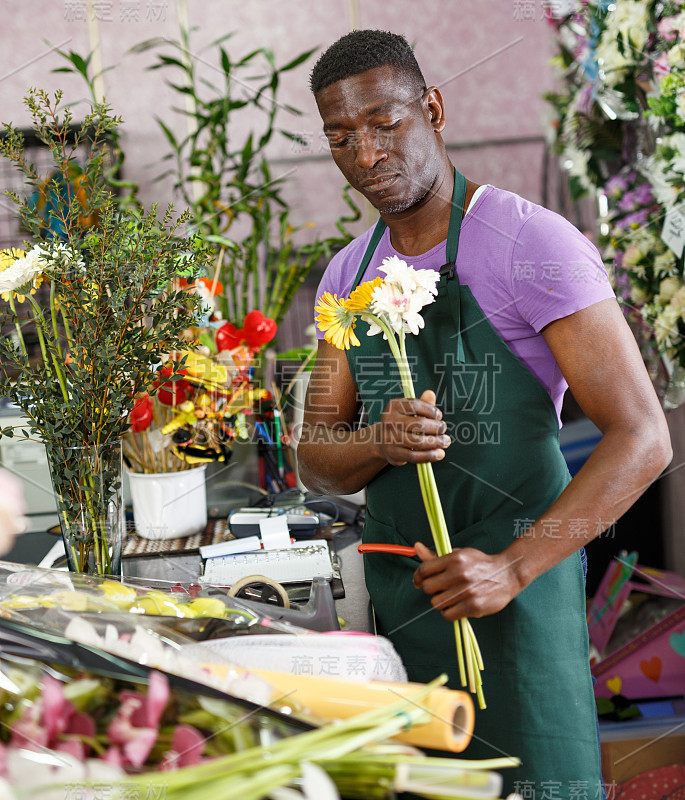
(428, 396)
(423, 552)
(450, 603)
(431, 565)
(424, 426)
(418, 456)
(408, 430)
(416, 407)
(417, 441)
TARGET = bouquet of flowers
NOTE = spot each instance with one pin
(79, 729)
(105, 307)
(392, 307)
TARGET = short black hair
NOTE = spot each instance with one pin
(359, 51)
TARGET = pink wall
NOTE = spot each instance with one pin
(491, 67)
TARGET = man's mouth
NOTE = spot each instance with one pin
(378, 182)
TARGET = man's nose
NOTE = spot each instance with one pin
(368, 152)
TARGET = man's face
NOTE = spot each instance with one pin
(379, 129)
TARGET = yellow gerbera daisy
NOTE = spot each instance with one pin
(360, 298)
(336, 321)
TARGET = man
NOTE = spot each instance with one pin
(523, 308)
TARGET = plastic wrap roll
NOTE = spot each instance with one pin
(452, 713)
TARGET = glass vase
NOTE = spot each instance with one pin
(87, 482)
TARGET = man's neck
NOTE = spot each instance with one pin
(425, 225)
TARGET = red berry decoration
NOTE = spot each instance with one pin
(258, 329)
(228, 337)
(141, 414)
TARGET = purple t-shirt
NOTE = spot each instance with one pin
(525, 265)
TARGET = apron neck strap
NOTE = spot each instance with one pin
(456, 213)
(376, 236)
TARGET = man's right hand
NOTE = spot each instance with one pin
(412, 431)
(335, 456)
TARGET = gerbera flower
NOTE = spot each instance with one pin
(337, 321)
(360, 298)
(407, 277)
(19, 273)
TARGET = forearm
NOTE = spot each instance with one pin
(338, 460)
(620, 469)
(470, 583)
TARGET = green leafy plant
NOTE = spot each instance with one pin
(234, 198)
(111, 311)
(126, 190)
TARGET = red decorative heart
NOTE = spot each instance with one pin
(258, 329)
(651, 668)
(228, 337)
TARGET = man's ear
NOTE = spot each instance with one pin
(435, 107)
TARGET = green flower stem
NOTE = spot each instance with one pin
(40, 325)
(371, 773)
(369, 759)
(17, 327)
(53, 316)
(469, 660)
(285, 765)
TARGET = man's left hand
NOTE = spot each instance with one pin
(466, 582)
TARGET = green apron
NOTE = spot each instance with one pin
(502, 471)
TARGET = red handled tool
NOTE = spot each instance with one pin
(397, 549)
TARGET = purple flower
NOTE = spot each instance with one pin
(637, 218)
(586, 100)
(615, 186)
(628, 202)
(643, 194)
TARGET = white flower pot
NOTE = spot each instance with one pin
(169, 505)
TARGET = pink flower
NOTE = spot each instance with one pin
(667, 28)
(187, 746)
(28, 732)
(136, 724)
(136, 740)
(661, 65)
(53, 722)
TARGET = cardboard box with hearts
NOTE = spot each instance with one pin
(652, 664)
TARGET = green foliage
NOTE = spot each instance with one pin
(228, 183)
(664, 106)
(127, 190)
(115, 308)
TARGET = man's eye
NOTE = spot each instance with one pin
(336, 143)
(389, 127)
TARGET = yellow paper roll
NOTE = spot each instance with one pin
(452, 714)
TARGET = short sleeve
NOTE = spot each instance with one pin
(342, 270)
(555, 270)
